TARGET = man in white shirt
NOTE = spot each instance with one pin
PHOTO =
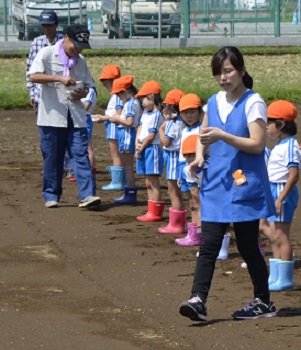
(65, 78)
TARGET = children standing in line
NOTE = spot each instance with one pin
(149, 157)
(127, 123)
(235, 186)
(283, 170)
(191, 111)
(115, 105)
(193, 237)
(170, 136)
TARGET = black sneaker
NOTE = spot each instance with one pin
(194, 309)
(255, 309)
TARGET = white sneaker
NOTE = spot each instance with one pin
(51, 204)
(89, 201)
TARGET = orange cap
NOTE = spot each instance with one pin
(173, 97)
(150, 87)
(122, 83)
(110, 71)
(189, 144)
(189, 101)
(282, 109)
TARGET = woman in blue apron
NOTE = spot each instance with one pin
(235, 187)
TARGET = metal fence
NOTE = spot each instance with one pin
(203, 18)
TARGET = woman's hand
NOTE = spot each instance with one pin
(210, 135)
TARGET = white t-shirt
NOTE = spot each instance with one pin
(150, 122)
(131, 108)
(173, 132)
(91, 98)
(283, 156)
(114, 104)
(255, 107)
(195, 130)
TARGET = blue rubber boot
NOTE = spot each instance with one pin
(223, 253)
(117, 179)
(285, 277)
(129, 196)
(273, 277)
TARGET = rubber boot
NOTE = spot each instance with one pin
(154, 212)
(176, 225)
(285, 277)
(193, 237)
(262, 248)
(273, 277)
(223, 253)
(117, 179)
(129, 196)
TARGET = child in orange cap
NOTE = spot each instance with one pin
(149, 158)
(127, 123)
(193, 237)
(283, 170)
(170, 135)
(109, 73)
(190, 107)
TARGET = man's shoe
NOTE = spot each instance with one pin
(255, 309)
(194, 309)
(51, 204)
(89, 202)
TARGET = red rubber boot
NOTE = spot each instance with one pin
(177, 221)
(154, 212)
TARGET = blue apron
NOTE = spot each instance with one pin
(221, 199)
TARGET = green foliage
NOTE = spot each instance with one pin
(274, 70)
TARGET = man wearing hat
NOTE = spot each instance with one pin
(49, 23)
(64, 77)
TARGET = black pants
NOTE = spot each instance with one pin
(247, 243)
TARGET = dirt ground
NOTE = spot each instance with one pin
(85, 280)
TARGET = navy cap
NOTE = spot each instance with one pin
(79, 36)
(48, 17)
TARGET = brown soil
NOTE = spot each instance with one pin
(83, 280)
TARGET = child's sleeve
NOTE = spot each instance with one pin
(156, 122)
(293, 154)
(170, 130)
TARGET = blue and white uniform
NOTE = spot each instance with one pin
(150, 161)
(284, 156)
(222, 200)
(187, 131)
(127, 134)
(114, 105)
(91, 98)
(173, 132)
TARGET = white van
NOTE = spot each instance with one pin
(251, 5)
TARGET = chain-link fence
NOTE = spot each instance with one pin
(242, 17)
(229, 18)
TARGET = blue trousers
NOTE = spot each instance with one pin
(54, 141)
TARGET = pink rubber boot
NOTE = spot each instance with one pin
(193, 237)
(177, 221)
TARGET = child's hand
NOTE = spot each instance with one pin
(114, 118)
(167, 116)
(278, 205)
(194, 166)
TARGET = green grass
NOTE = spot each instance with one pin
(274, 70)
